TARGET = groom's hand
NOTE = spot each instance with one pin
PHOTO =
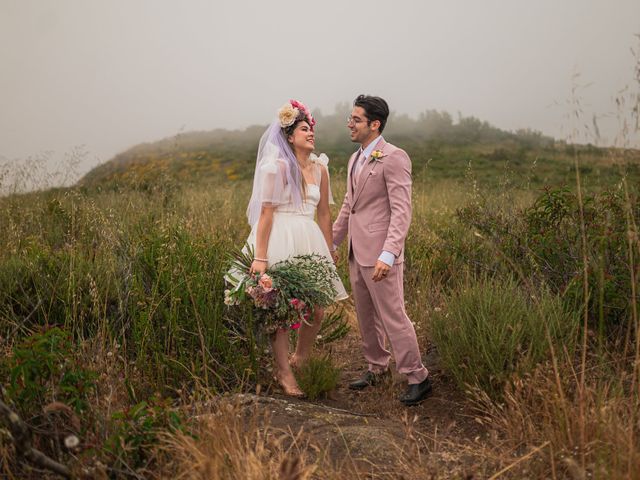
(380, 271)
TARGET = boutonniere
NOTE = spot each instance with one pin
(377, 155)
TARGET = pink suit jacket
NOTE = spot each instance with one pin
(377, 214)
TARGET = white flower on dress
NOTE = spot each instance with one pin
(321, 159)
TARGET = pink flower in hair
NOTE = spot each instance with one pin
(311, 120)
(303, 108)
(298, 105)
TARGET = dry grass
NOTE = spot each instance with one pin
(235, 441)
(595, 424)
(230, 442)
(226, 443)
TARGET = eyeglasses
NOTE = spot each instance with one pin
(355, 120)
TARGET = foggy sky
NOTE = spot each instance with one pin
(111, 74)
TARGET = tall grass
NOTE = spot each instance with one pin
(583, 409)
(497, 274)
(493, 331)
(146, 275)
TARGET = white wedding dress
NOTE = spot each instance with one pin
(295, 231)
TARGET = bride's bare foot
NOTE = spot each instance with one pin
(289, 385)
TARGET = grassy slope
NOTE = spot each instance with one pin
(136, 272)
(438, 148)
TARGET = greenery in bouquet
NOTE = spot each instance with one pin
(286, 293)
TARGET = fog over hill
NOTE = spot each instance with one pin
(237, 148)
(440, 147)
(110, 75)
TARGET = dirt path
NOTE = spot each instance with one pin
(372, 430)
(445, 409)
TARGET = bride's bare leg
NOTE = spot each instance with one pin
(306, 338)
(284, 375)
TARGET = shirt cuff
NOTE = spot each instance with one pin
(387, 257)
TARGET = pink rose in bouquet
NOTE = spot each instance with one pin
(287, 295)
(297, 303)
(303, 311)
(266, 283)
(263, 296)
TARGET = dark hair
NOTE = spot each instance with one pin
(289, 130)
(376, 108)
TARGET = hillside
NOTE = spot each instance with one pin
(116, 335)
(447, 149)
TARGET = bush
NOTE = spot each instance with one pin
(175, 308)
(44, 368)
(494, 329)
(318, 377)
(543, 242)
(156, 288)
(135, 430)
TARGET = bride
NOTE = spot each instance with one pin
(290, 188)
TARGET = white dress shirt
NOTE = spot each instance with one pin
(364, 154)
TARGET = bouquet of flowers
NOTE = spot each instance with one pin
(286, 294)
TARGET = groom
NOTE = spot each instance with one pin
(375, 215)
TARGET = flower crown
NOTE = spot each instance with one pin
(292, 111)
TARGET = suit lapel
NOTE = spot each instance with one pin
(353, 158)
(366, 171)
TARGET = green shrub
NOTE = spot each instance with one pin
(318, 377)
(493, 329)
(135, 430)
(44, 368)
(543, 242)
(175, 305)
(154, 286)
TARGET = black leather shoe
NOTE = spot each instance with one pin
(416, 393)
(369, 379)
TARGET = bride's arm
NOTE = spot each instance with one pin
(273, 175)
(259, 264)
(324, 214)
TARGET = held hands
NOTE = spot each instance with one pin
(380, 271)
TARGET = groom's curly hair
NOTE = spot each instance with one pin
(376, 108)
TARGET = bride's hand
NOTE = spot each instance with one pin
(258, 267)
